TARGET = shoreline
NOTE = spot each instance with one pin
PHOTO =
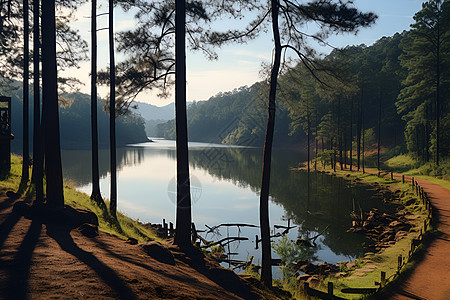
(364, 271)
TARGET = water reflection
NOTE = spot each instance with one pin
(230, 179)
(77, 163)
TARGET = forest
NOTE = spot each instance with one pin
(381, 98)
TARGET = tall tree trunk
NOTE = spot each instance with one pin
(309, 158)
(26, 94)
(333, 146)
(38, 153)
(266, 268)
(183, 217)
(379, 133)
(438, 86)
(427, 135)
(112, 113)
(358, 128)
(363, 135)
(317, 144)
(309, 142)
(339, 132)
(96, 195)
(351, 136)
(53, 168)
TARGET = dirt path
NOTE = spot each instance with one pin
(39, 261)
(430, 278)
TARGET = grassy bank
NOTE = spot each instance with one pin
(124, 228)
(368, 268)
(408, 165)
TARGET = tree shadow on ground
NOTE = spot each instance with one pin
(62, 236)
(225, 278)
(19, 273)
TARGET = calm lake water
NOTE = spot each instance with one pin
(226, 183)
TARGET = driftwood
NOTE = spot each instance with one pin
(214, 228)
(227, 239)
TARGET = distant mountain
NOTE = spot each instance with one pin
(154, 115)
(153, 112)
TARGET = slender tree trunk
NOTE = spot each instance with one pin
(53, 168)
(427, 135)
(340, 133)
(112, 113)
(351, 136)
(363, 135)
(26, 94)
(266, 270)
(183, 217)
(317, 144)
(309, 143)
(379, 133)
(438, 86)
(358, 137)
(309, 157)
(96, 195)
(417, 141)
(333, 146)
(38, 151)
(323, 145)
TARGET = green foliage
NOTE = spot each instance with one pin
(289, 252)
(426, 85)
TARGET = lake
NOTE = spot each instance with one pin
(225, 189)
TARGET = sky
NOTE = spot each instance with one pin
(238, 64)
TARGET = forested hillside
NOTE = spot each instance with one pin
(357, 95)
(75, 123)
(236, 117)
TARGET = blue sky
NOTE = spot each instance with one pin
(239, 65)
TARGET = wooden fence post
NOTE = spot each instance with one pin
(383, 279)
(403, 178)
(400, 263)
(306, 287)
(171, 231)
(412, 181)
(330, 290)
(165, 227)
(392, 176)
(256, 242)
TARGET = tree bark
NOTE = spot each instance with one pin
(96, 195)
(438, 85)
(379, 133)
(358, 133)
(183, 216)
(38, 151)
(266, 268)
(26, 95)
(350, 161)
(112, 113)
(340, 133)
(53, 168)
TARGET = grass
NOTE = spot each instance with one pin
(124, 227)
(410, 166)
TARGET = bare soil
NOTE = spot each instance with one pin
(48, 261)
